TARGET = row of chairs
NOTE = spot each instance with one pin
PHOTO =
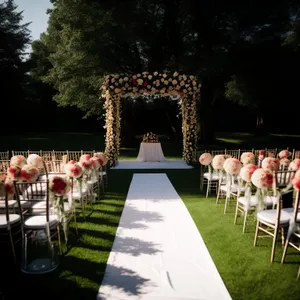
(236, 153)
(31, 212)
(48, 154)
(281, 213)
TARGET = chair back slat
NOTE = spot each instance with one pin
(4, 155)
(4, 165)
(25, 153)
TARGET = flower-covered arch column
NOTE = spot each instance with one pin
(117, 86)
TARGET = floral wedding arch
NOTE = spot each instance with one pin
(117, 86)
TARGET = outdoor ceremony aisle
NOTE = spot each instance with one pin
(158, 253)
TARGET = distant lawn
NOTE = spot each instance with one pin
(245, 269)
(250, 140)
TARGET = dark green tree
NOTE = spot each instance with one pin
(14, 42)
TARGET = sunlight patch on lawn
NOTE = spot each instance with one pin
(231, 141)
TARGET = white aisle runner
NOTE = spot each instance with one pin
(158, 253)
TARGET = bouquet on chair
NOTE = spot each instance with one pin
(150, 138)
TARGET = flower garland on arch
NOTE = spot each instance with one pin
(116, 86)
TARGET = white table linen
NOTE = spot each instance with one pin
(150, 152)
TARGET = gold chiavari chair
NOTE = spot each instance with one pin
(74, 155)
(21, 152)
(47, 155)
(270, 221)
(4, 155)
(271, 152)
(294, 229)
(59, 155)
(233, 153)
(10, 223)
(4, 165)
(295, 154)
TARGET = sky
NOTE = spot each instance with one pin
(34, 11)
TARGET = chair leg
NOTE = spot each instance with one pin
(245, 220)
(58, 237)
(12, 247)
(236, 212)
(274, 244)
(298, 276)
(218, 195)
(285, 250)
(226, 204)
(207, 188)
(75, 221)
(256, 233)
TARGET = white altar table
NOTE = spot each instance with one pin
(150, 152)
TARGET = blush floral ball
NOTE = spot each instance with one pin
(59, 186)
(285, 162)
(262, 178)
(73, 170)
(35, 160)
(295, 165)
(296, 181)
(247, 158)
(29, 173)
(205, 159)
(18, 161)
(270, 163)
(232, 166)
(247, 172)
(218, 162)
(284, 154)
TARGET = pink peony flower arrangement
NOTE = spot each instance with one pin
(296, 181)
(295, 165)
(18, 161)
(218, 162)
(29, 173)
(59, 186)
(102, 158)
(262, 178)
(270, 163)
(13, 173)
(86, 163)
(205, 159)
(35, 160)
(247, 158)
(284, 154)
(285, 162)
(247, 172)
(73, 170)
(232, 166)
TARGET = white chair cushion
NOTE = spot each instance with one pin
(213, 176)
(36, 222)
(270, 215)
(233, 188)
(268, 200)
(76, 195)
(11, 203)
(13, 218)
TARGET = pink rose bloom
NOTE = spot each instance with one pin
(84, 157)
(29, 173)
(270, 163)
(73, 170)
(59, 186)
(285, 162)
(102, 158)
(232, 166)
(247, 172)
(13, 173)
(218, 162)
(205, 159)
(247, 158)
(284, 154)
(262, 178)
(18, 161)
(97, 162)
(295, 165)
(35, 160)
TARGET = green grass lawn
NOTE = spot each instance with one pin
(245, 269)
